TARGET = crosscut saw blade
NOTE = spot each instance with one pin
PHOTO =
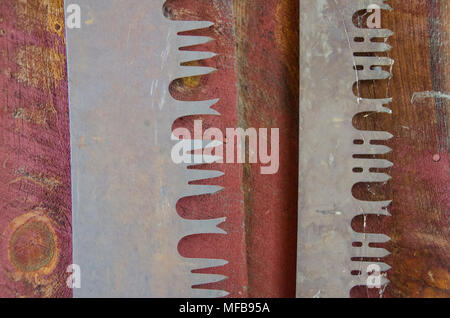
(126, 229)
(328, 69)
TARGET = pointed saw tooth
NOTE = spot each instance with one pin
(367, 164)
(204, 263)
(368, 61)
(374, 105)
(190, 40)
(183, 26)
(364, 265)
(208, 293)
(189, 71)
(201, 107)
(367, 176)
(194, 190)
(370, 207)
(202, 279)
(369, 135)
(372, 238)
(371, 150)
(381, 163)
(197, 175)
(205, 159)
(377, 150)
(188, 146)
(209, 226)
(376, 74)
(380, 135)
(197, 144)
(369, 34)
(366, 251)
(189, 56)
(183, 108)
(361, 280)
(192, 227)
(370, 47)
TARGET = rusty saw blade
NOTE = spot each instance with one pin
(329, 264)
(125, 186)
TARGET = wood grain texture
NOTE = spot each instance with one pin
(267, 64)
(35, 198)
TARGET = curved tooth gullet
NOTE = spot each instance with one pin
(189, 108)
(370, 69)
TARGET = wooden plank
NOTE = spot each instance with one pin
(35, 215)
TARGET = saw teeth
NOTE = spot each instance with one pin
(192, 227)
(201, 279)
(371, 207)
(190, 40)
(375, 105)
(204, 263)
(371, 47)
(334, 154)
(369, 252)
(196, 190)
(372, 238)
(189, 71)
(189, 146)
(373, 74)
(185, 108)
(189, 108)
(184, 26)
(366, 251)
(363, 265)
(203, 293)
(371, 70)
(197, 175)
(369, 34)
(367, 176)
(369, 61)
(188, 56)
(366, 164)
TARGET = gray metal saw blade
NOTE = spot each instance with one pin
(328, 41)
(125, 186)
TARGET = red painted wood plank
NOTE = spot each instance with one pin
(35, 199)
